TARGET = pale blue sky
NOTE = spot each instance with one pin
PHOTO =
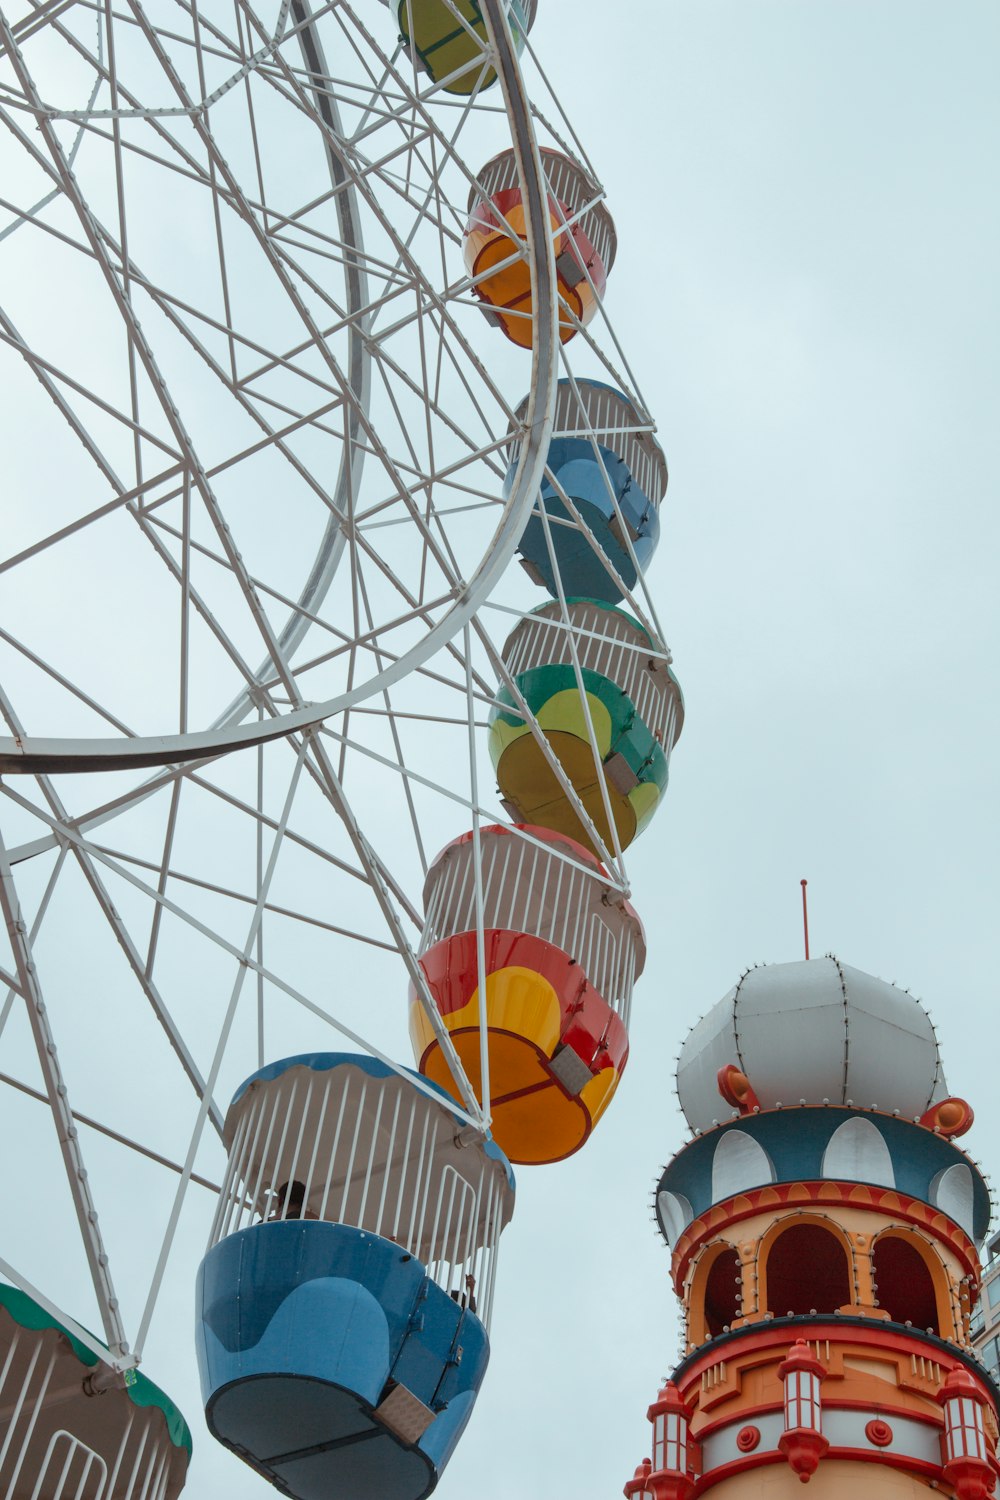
(806, 192)
(807, 209)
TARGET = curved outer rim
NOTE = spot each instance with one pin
(30, 756)
(331, 548)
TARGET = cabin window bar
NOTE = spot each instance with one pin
(371, 1160)
(468, 887)
(244, 1206)
(446, 899)
(354, 1149)
(284, 1102)
(122, 1450)
(390, 1169)
(404, 1169)
(227, 1198)
(137, 1462)
(511, 881)
(74, 1448)
(546, 872)
(257, 1192)
(508, 851)
(155, 1474)
(564, 905)
(437, 1251)
(254, 1209)
(583, 942)
(293, 1166)
(19, 1407)
(416, 1166)
(11, 1352)
(575, 946)
(334, 1148)
(426, 1161)
(323, 1112)
(627, 983)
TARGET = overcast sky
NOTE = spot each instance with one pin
(806, 198)
(806, 202)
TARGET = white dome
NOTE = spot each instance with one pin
(816, 1030)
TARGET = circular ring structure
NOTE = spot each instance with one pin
(209, 504)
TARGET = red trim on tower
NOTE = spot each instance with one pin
(820, 1194)
(708, 1480)
(762, 1336)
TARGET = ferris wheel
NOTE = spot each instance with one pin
(304, 316)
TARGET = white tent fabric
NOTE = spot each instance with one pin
(816, 1031)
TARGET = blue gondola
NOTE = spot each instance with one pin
(342, 1310)
(621, 460)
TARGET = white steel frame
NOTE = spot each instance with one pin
(431, 659)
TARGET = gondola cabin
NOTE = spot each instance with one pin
(343, 1306)
(496, 252)
(71, 1428)
(449, 42)
(631, 699)
(562, 949)
(604, 461)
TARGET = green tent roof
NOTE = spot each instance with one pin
(141, 1391)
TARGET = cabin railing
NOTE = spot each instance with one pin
(341, 1148)
(528, 888)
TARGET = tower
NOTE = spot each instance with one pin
(824, 1228)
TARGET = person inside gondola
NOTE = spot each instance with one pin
(290, 1202)
(468, 1297)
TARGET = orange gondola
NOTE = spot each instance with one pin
(496, 253)
(561, 951)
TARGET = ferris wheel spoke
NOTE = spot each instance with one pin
(163, 874)
(137, 342)
(270, 908)
(374, 873)
(64, 682)
(133, 361)
(205, 1106)
(58, 1100)
(373, 866)
(60, 824)
(14, 988)
(43, 367)
(113, 1135)
(48, 382)
(397, 745)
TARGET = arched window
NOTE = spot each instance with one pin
(952, 1191)
(675, 1213)
(857, 1152)
(739, 1163)
(807, 1271)
(722, 1293)
(905, 1284)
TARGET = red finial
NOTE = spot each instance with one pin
(805, 914)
